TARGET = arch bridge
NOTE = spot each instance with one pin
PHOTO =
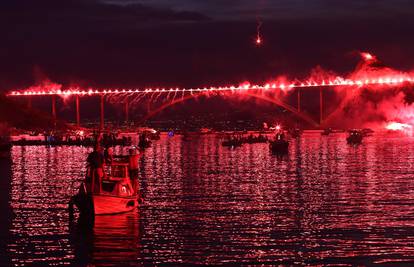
(269, 92)
(130, 97)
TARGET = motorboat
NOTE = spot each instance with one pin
(205, 131)
(327, 131)
(144, 142)
(111, 193)
(354, 137)
(279, 145)
(251, 139)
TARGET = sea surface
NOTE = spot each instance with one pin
(326, 203)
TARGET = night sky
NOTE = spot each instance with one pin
(195, 43)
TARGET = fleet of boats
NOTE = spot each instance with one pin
(111, 186)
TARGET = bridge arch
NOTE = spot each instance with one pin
(275, 101)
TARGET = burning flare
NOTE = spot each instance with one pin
(396, 126)
(258, 35)
(368, 56)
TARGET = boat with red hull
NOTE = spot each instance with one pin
(110, 192)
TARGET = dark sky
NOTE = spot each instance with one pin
(285, 9)
(195, 43)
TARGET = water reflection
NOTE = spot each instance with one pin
(114, 237)
(6, 211)
(326, 203)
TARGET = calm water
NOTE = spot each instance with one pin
(327, 203)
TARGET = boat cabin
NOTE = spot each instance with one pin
(114, 180)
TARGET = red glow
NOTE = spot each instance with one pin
(258, 40)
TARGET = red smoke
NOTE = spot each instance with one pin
(378, 104)
(372, 95)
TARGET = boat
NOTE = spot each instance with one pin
(354, 137)
(327, 131)
(144, 141)
(255, 139)
(206, 131)
(112, 193)
(279, 145)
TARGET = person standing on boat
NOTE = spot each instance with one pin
(109, 155)
(133, 167)
(96, 163)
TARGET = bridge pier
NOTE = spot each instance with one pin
(29, 102)
(320, 106)
(102, 123)
(126, 110)
(54, 116)
(77, 111)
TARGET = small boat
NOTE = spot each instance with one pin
(155, 136)
(327, 131)
(205, 131)
(112, 193)
(255, 139)
(354, 137)
(144, 141)
(279, 145)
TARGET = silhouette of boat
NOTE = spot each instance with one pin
(354, 137)
(144, 142)
(327, 131)
(251, 139)
(279, 145)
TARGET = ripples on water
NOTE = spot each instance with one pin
(327, 203)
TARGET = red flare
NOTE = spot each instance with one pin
(368, 56)
(396, 126)
(258, 40)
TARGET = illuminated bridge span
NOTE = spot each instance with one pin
(178, 95)
(56, 90)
